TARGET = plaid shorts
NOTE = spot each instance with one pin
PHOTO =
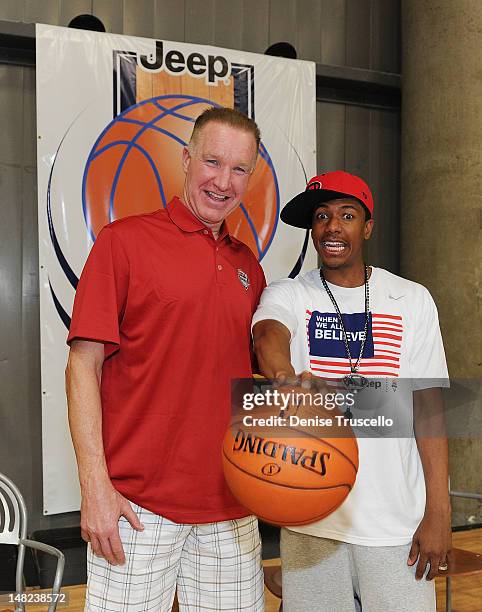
(215, 566)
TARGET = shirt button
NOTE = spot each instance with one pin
(220, 267)
(205, 232)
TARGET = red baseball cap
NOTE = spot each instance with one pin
(299, 211)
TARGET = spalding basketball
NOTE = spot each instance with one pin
(290, 474)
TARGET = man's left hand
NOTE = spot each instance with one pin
(431, 544)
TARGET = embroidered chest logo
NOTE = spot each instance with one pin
(243, 278)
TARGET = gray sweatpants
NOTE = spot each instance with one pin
(321, 575)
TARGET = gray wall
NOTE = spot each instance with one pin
(358, 33)
(366, 142)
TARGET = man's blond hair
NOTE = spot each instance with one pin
(226, 116)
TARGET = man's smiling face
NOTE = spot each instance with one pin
(339, 230)
(218, 166)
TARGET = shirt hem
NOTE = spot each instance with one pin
(353, 539)
(189, 518)
(198, 519)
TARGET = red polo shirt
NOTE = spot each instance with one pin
(173, 308)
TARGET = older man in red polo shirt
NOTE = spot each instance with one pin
(161, 324)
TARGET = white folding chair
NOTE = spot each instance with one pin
(13, 530)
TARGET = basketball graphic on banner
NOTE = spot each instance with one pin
(135, 167)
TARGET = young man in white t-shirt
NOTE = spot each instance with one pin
(349, 321)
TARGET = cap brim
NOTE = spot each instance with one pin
(299, 211)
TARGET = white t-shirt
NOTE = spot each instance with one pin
(387, 501)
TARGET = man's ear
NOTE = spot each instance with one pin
(186, 158)
(368, 228)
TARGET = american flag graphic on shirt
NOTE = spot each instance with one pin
(328, 358)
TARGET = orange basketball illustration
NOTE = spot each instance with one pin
(135, 167)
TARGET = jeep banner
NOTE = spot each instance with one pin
(113, 115)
